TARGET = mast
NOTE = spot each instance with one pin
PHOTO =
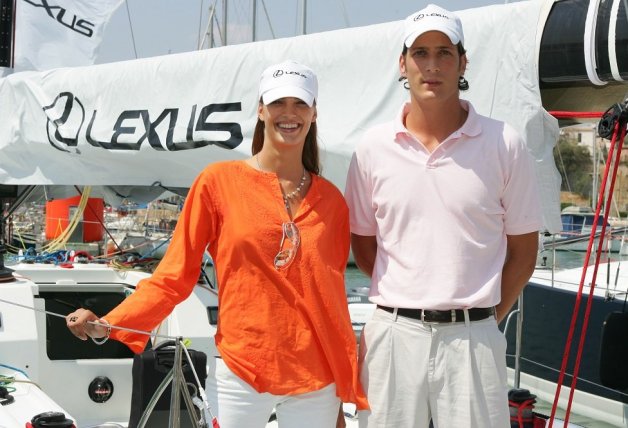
(210, 27)
(7, 31)
(303, 16)
(253, 19)
(225, 6)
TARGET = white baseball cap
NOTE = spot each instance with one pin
(433, 18)
(288, 79)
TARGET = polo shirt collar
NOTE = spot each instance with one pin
(471, 127)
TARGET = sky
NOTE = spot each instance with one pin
(145, 28)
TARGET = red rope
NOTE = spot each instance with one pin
(574, 317)
(576, 114)
(527, 404)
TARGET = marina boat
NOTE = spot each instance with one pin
(577, 223)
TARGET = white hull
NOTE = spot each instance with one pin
(25, 344)
(584, 404)
(548, 307)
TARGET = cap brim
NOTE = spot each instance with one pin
(413, 36)
(288, 91)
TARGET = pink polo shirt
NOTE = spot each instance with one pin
(441, 218)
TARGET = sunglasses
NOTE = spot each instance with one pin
(292, 238)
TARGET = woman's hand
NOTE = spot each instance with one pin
(79, 325)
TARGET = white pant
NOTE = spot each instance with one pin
(454, 374)
(237, 405)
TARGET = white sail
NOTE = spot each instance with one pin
(163, 119)
(61, 33)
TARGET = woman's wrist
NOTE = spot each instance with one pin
(103, 339)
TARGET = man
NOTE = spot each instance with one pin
(444, 219)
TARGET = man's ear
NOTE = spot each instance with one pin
(463, 64)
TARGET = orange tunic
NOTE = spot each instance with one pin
(283, 332)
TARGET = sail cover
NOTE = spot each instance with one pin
(163, 119)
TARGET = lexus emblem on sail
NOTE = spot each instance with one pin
(66, 116)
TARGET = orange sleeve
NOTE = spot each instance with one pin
(177, 273)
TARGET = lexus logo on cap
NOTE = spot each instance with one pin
(279, 73)
(422, 15)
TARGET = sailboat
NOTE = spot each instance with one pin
(163, 119)
(577, 224)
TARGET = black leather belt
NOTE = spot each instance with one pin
(453, 315)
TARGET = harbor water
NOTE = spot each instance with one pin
(355, 280)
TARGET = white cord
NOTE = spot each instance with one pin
(147, 333)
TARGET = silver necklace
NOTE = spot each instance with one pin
(287, 196)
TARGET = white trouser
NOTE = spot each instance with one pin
(452, 373)
(237, 405)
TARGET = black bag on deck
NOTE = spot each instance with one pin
(149, 370)
(614, 351)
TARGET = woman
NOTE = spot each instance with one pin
(279, 236)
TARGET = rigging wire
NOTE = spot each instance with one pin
(562, 165)
(345, 15)
(270, 25)
(580, 379)
(128, 14)
(222, 41)
(54, 314)
(209, 30)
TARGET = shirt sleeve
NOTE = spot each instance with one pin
(177, 273)
(359, 196)
(521, 197)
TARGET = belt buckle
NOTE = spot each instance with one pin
(451, 320)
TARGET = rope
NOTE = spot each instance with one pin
(63, 238)
(128, 14)
(146, 333)
(6, 380)
(203, 403)
(619, 129)
(576, 114)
